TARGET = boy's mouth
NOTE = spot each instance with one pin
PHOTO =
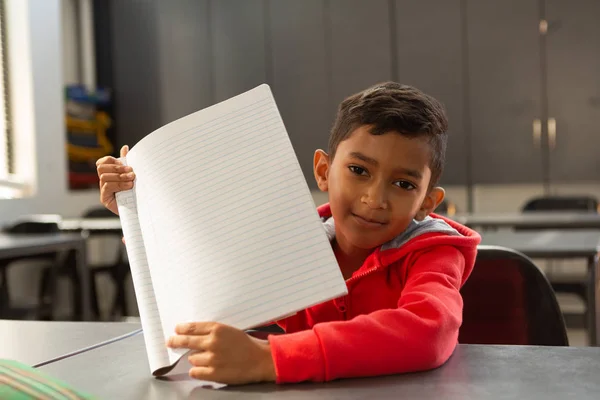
(368, 222)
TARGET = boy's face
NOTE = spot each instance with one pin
(377, 184)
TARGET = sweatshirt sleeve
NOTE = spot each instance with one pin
(420, 334)
(294, 323)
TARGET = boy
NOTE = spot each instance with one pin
(403, 268)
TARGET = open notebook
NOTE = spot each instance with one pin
(221, 226)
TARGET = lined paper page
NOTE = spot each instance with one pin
(142, 282)
(237, 238)
(160, 285)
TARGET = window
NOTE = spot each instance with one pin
(11, 186)
(5, 133)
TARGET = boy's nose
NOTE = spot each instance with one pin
(375, 198)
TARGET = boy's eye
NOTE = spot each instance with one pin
(357, 170)
(405, 185)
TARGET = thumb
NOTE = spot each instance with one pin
(124, 150)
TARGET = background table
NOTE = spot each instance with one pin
(93, 225)
(40, 342)
(22, 245)
(537, 220)
(560, 244)
(532, 220)
(120, 370)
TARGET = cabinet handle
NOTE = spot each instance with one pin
(551, 133)
(537, 133)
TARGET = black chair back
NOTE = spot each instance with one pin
(34, 224)
(508, 300)
(99, 212)
(31, 225)
(562, 203)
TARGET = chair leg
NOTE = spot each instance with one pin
(45, 309)
(76, 295)
(4, 294)
(120, 301)
(45, 294)
(119, 307)
(94, 297)
(44, 282)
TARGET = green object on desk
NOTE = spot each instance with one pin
(22, 382)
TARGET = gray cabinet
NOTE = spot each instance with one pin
(504, 90)
(428, 51)
(301, 75)
(185, 48)
(360, 45)
(137, 109)
(523, 104)
(573, 64)
(238, 40)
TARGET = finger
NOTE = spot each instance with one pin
(203, 374)
(113, 168)
(195, 328)
(113, 187)
(128, 177)
(186, 342)
(124, 150)
(202, 359)
(123, 240)
(108, 160)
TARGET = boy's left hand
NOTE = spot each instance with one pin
(224, 354)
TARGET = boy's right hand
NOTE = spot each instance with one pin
(114, 177)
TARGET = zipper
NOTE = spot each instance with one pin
(377, 267)
(340, 303)
(353, 279)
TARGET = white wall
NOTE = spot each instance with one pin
(40, 114)
(69, 41)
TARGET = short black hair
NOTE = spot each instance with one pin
(393, 107)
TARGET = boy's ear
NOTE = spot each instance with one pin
(321, 169)
(431, 201)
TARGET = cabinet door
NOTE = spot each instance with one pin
(573, 59)
(137, 104)
(300, 75)
(504, 90)
(434, 64)
(360, 45)
(185, 47)
(238, 46)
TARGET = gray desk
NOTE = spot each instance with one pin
(560, 244)
(120, 370)
(93, 225)
(40, 342)
(533, 220)
(21, 245)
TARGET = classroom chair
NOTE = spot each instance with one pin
(117, 269)
(52, 262)
(589, 204)
(562, 203)
(509, 301)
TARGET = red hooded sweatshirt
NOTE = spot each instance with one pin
(401, 314)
